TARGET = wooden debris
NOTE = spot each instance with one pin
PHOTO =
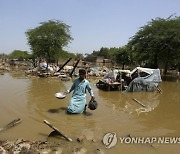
(71, 73)
(79, 150)
(11, 124)
(139, 102)
(21, 146)
(64, 65)
(159, 90)
(2, 150)
(58, 132)
(99, 151)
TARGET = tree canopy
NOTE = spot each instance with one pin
(47, 40)
(116, 55)
(157, 43)
(20, 55)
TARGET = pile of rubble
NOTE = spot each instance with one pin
(25, 146)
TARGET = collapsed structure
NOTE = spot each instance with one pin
(139, 79)
(144, 79)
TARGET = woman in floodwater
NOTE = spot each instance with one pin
(77, 103)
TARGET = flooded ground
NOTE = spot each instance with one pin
(32, 99)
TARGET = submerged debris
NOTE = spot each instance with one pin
(57, 131)
(11, 124)
(30, 147)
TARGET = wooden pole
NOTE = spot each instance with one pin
(54, 128)
(74, 68)
(139, 102)
(121, 81)
(64, 64)
(159, 90)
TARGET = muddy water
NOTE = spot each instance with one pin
(32, 99)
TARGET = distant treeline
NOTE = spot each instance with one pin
(155, 45)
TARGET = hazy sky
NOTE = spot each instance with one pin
(94, 23)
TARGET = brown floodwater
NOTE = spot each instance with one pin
(32, 100)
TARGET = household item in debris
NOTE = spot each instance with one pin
(57, 131)
(60, 95)
(92, 105)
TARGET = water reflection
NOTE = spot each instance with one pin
(17, 75)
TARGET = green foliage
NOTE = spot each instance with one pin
(79, 56)
(90, 58)
(116, 55)
(66, 55)
(113, 54)
(3, 56)
(122, 56)
(157, 43)
(47, 41)
(104, 52)
(20, 55)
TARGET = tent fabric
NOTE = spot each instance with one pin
(146, 83)
(143, 79)
(111, 75)
(140, 84)
(154, 74)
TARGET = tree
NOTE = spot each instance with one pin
(79, 56)
(112, 54)
(122, 57)
(3, 57)
(20, 55)
(47, 40)
(104, 52)
(157, 43)
(90, 57)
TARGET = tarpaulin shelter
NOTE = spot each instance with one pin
(144, 79)
(109, 81)
(111, 75)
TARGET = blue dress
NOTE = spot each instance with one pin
(78, 99)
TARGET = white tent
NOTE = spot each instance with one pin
(153, 75)
(144, 79)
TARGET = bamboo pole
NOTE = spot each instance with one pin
(64, 64)
(74, 68)
(159, 90)
(139, 102)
